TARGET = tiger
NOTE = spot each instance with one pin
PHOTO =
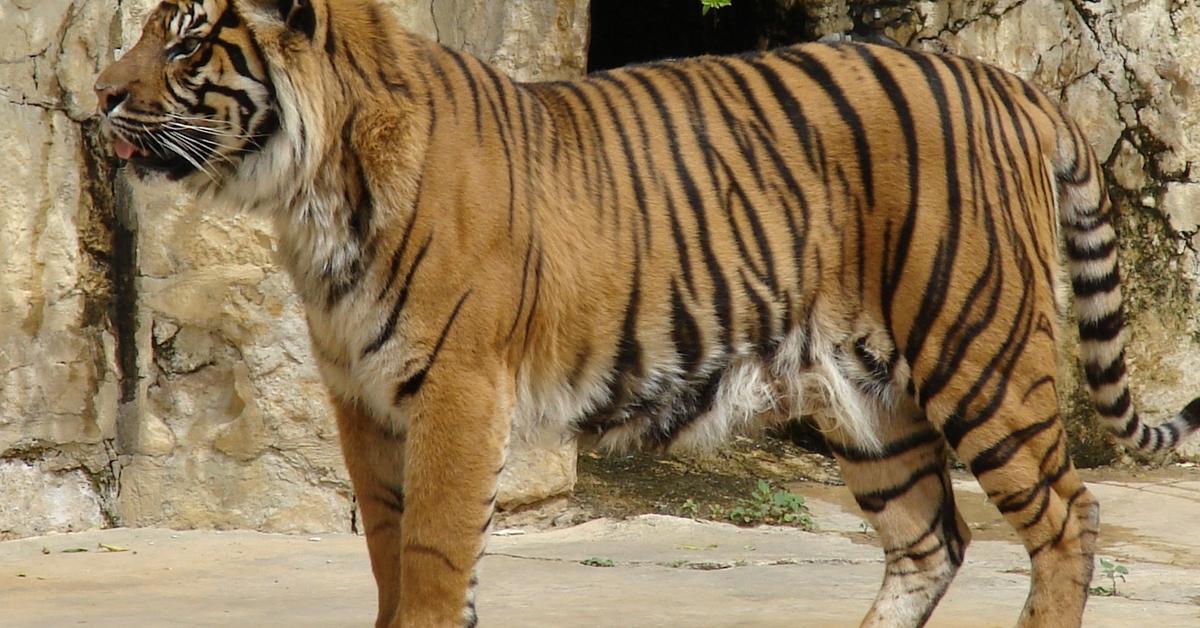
(659, 256)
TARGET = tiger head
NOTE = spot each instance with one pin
(208, 95)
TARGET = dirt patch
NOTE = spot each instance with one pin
(709, 485)
(623, 485)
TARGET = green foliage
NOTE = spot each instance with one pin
(597, 562)
(709, 5)
(1111, 570)
(767, 505)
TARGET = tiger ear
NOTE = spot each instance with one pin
(297, 15)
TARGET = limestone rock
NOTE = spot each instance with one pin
(1181, 204)
(1094, 108)
(36, 500)
(536, 471)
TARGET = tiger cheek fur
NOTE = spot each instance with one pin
(659, 256)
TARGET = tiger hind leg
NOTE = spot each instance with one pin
(1015, 445)
(904, 492)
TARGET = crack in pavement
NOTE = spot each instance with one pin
(699, 565)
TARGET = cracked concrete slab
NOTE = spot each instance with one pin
(665, 571)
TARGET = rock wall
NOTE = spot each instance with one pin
(154, 367)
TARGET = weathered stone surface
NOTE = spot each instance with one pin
(529, 39)
(536, 471)
(58, 380)
(36, 498)
(1181, 204)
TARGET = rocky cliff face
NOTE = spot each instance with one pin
(154, 366)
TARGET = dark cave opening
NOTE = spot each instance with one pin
(625, 32)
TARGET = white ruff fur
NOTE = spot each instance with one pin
(285, 180)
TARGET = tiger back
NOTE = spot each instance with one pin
(659, 256)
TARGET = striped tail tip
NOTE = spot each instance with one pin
(1165, 437)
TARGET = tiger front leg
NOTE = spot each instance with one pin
(375, 458)
(454, 453)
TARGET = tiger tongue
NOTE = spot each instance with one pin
(124, 149)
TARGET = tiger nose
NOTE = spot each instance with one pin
(110, 96)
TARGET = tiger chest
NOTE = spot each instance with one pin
(352, 373)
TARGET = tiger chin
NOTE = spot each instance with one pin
(659, 256)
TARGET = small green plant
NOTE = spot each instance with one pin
(597, 562)
(689, 509)
(1111, 570)
(709, 5)
(767, 505)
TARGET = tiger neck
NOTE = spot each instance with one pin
(352, 177)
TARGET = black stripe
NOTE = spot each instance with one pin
(963, 332)
(892, 262)
(792, 110)
(1117, 408)
(413, 384)
(766, 337)
(330, 44)
(685, 333)
(849, 115)
(237, 58)
(631, 162)
(1104, 330)
(629, 351)
(1089, 286)
(504, 130)
(1099, 375)
(397, 257)
(996, 370)
(533, 305)
(432, 551)
(1002, 451)
(389, 327)
(703, 393)
(245, 103)
(720, 289)
(392, 497)
(895, 448)
(1191, 413)
(938, 285)
(879, 370)
(1145, 438)
(524, 282)
(876, 501)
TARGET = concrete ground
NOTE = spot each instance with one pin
(664, 571)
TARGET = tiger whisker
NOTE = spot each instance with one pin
(200, 143)
(175, 148)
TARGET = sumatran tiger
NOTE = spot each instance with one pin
(658, 255)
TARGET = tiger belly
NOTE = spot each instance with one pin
(844, 379)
